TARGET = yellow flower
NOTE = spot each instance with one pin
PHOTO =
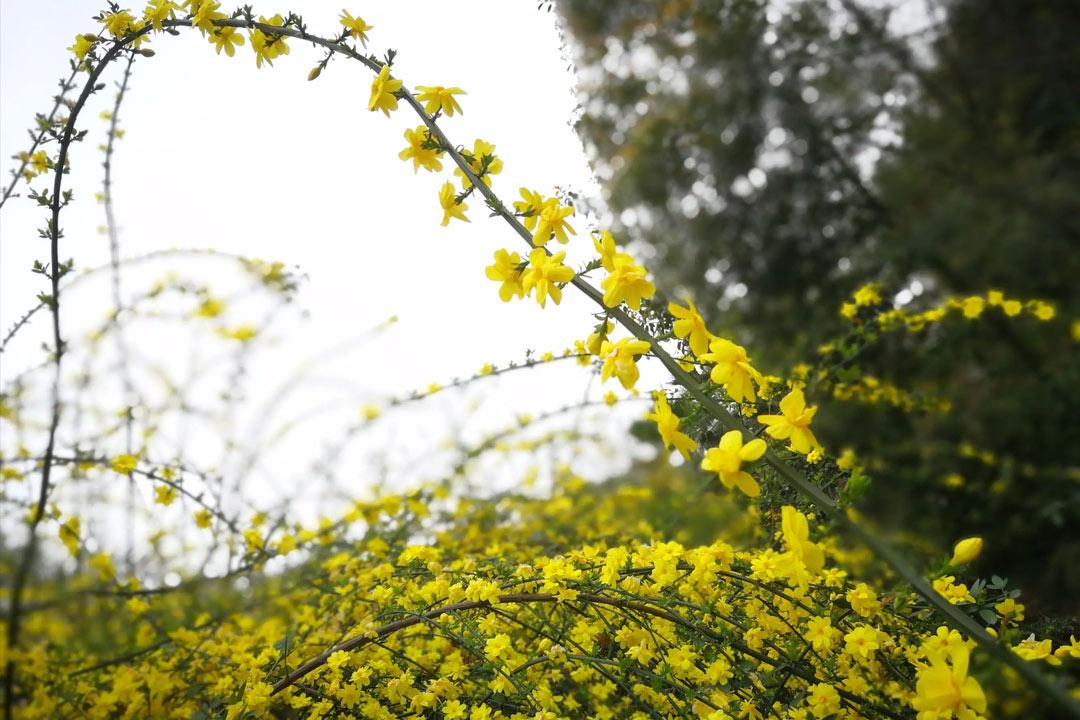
(956, 593)
(450, 206)
(103, 564)
(81, 46)
(823, 700)
(267, 47)
(158, 11)
(227, 39)
(506, 270)
(605, 245)
(943, 689)
(479, 168)
(124, 464)
(690, 325)
(796, 533)
(203, 518)
(165, 495)
(620, 360)
(726, 461)
(667, 423)
(820, 633)
(864, 600)
(552, 222)
(382, 92)
(1010, 610)
(867, 295)
(544, 273)
(793, 423)
(356, 26)
(732, 369)
(966, 551)
(530, 206)
(862, 641)
(626, 283)
(204, 15)
(438, 98)
(426, 157)
(69, 534)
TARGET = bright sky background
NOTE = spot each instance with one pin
(264, 163)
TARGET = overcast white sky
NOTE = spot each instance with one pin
(264, 163)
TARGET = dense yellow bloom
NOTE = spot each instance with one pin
(475, 160)
(383, 88)
(425, 157)
(823, 700)
(864, 600)
(552, 222)
(450, 206)
(667, 424)
(793, 423)
(867, 295)
(690, 325)
(732, 369)
(944, 690)
(508, 271)
(626, 283)
(620, 360)
(726, 461)
(356, 26)
(820, 633)
(796, 531)
(545, 273)
(438, 98)
(120, 23)
(268, 46)
(966, 551)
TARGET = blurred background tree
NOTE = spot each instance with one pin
(770, 158)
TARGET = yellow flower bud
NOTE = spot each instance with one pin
(315, 72)
(966, 551)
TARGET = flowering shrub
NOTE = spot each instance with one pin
(612, 600)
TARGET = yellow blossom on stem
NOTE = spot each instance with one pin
(268, 46)
(450, 206)
(203, 15)
(383, 88)
(823, 700)
(620, 360)
(862, 641)
(545, 273)
(793, 423)
(438, 98)
(726, 461)
(165, 495)
(480, 168)
(732, 369)
(124, 464)
(667, 424)
(627, 283)
(690, 325)
(227, 39)
(422, 157)
(158, 11)
(943, 689)
(508, 271)
(356, 26)
(956, 593)
(529, 207)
